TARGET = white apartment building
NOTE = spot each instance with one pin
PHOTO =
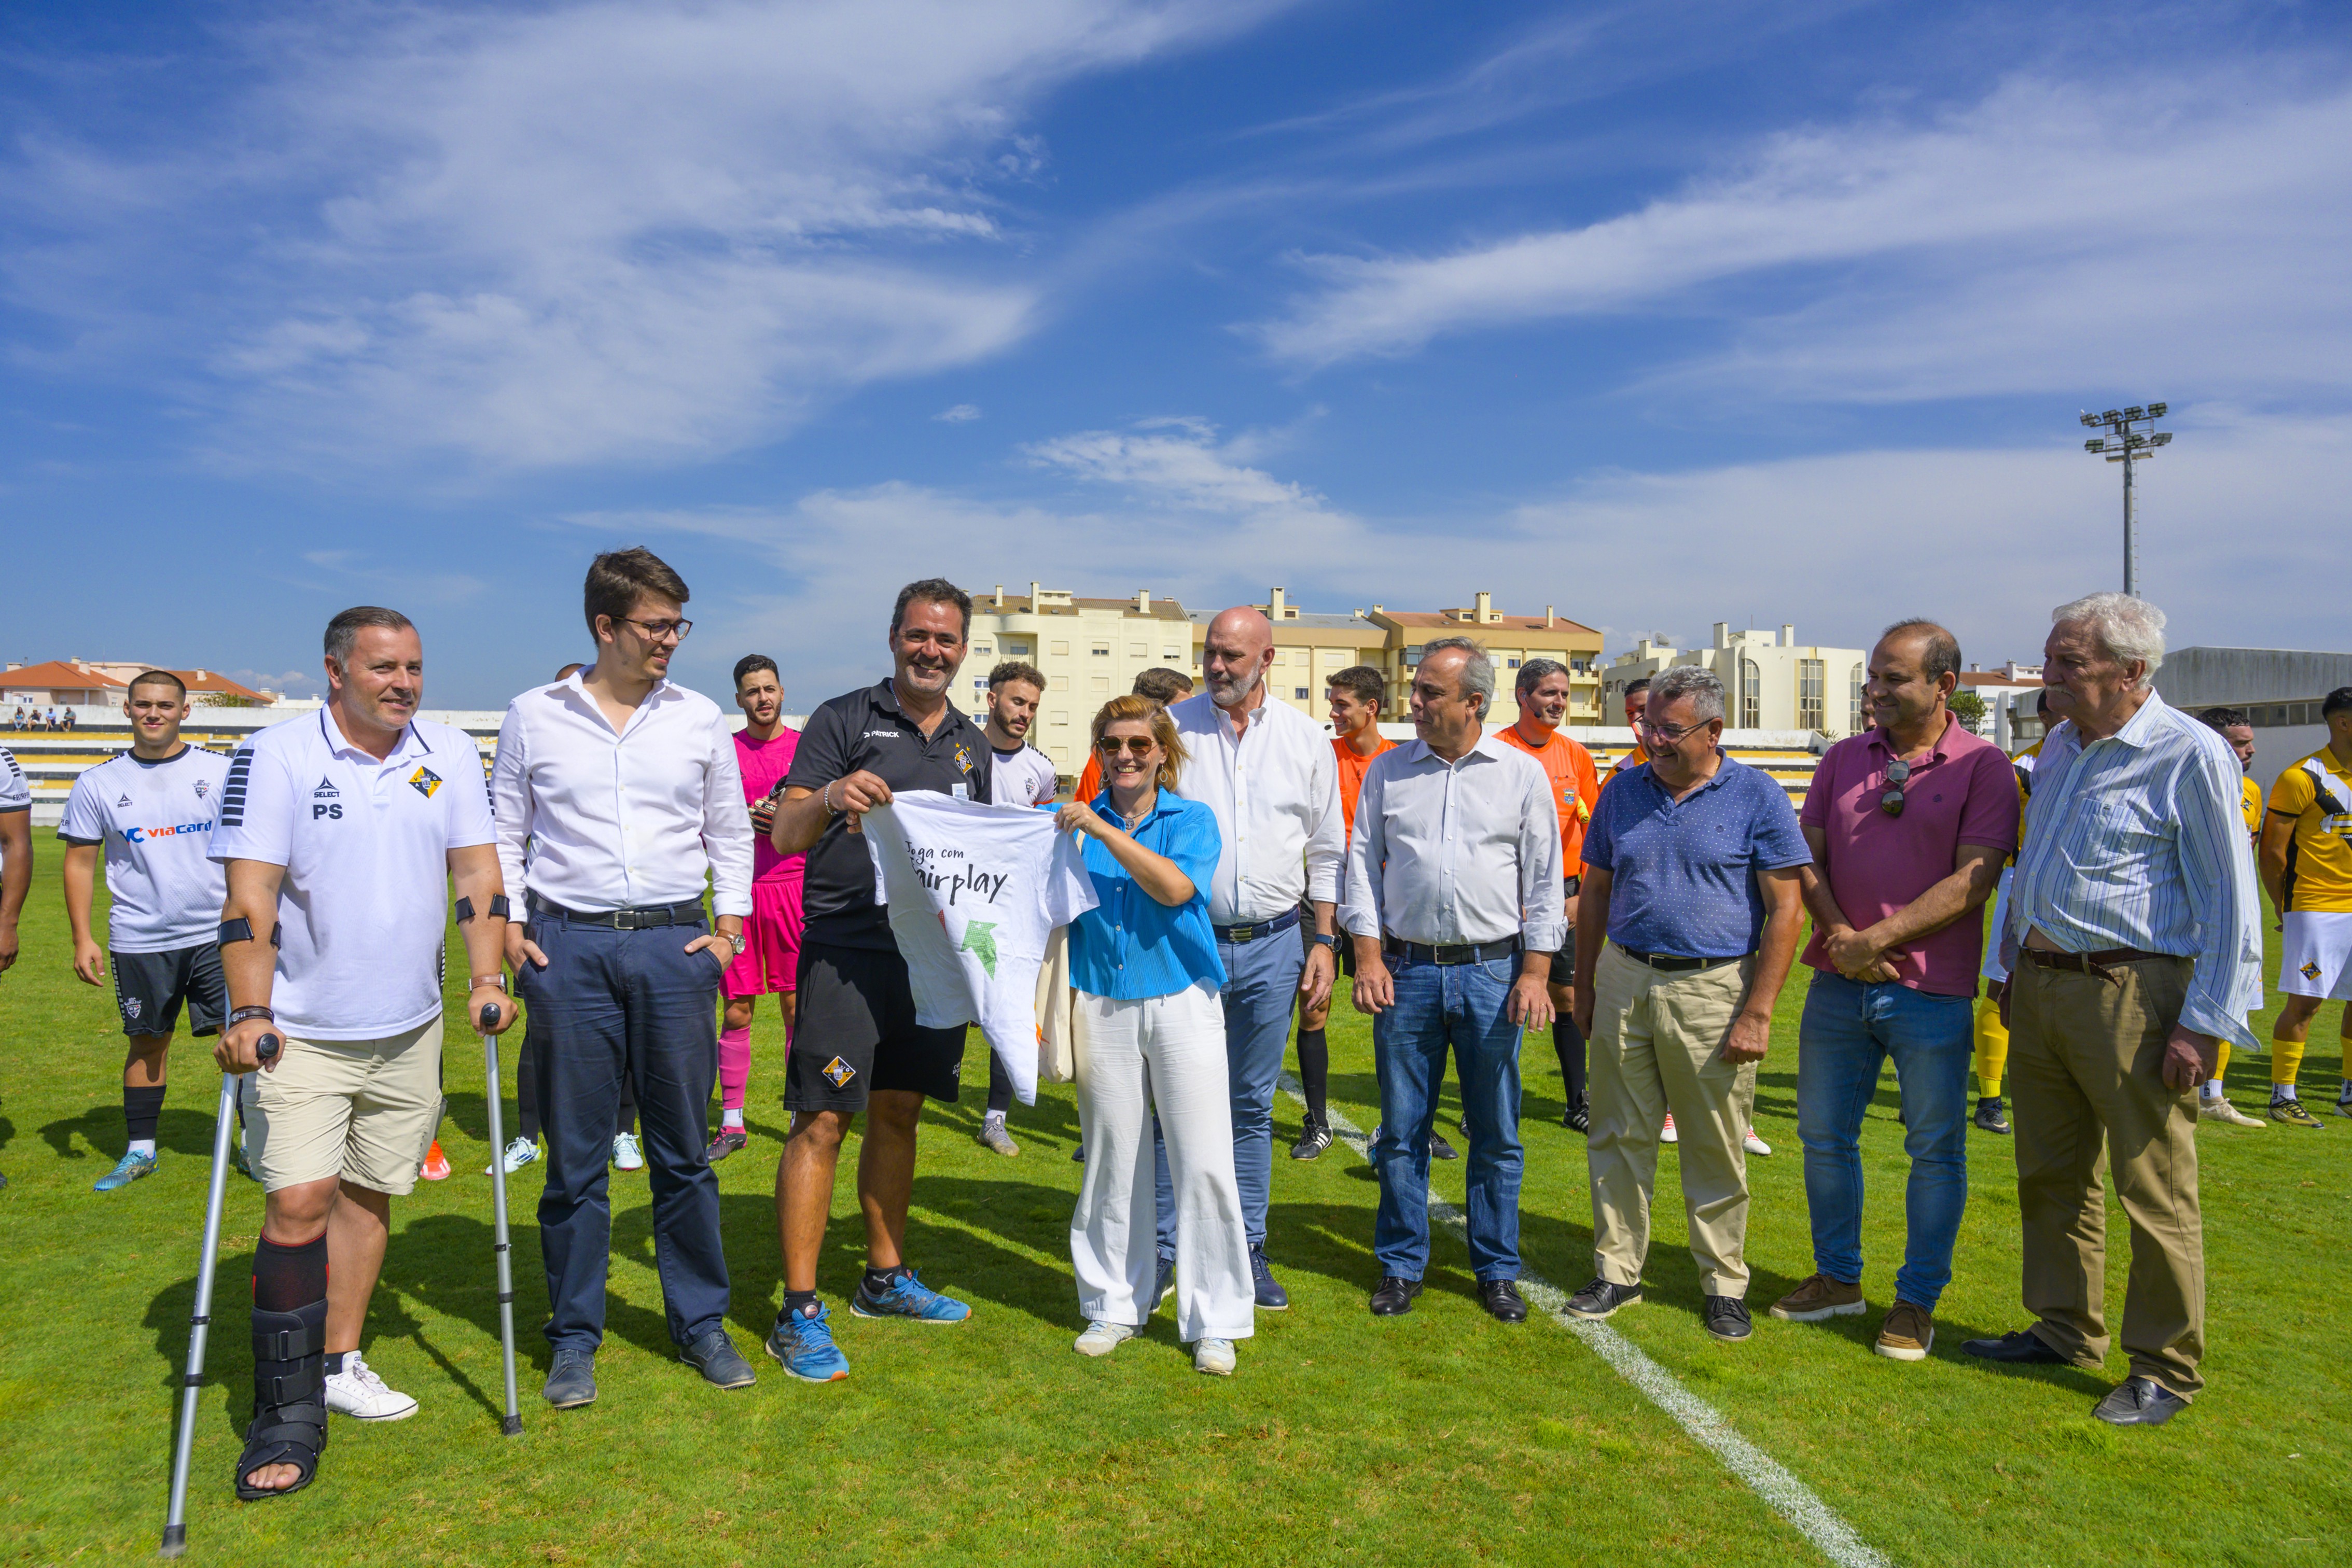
(1089, 650)
(1769, 682)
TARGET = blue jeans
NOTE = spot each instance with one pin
(1461, 1006)
(633, 1007)
(1848, 1033)
(1261, 988)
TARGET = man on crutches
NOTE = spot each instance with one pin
(338, 830)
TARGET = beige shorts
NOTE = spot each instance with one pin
(364, 1110)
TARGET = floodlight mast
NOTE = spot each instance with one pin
(2136, 439)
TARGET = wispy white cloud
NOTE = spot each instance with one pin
(581, 233)
(1178, 462)
(961, 413)
(2191, 226)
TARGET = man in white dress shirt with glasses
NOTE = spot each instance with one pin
(625, 787)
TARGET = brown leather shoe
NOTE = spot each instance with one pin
(1821, 1297)
(1908, 1332)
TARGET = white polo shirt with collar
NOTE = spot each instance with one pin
(626, 818)
(365, 843)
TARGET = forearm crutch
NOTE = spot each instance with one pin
(176, 1518)
(512, 1428)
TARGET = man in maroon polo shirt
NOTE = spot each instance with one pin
(1909, 822)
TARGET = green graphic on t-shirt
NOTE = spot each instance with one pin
(979, 939)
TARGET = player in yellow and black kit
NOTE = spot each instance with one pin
(2307, 863)
(2213, 1103)
(1992, 1035)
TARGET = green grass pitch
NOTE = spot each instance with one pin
(1439, 1437)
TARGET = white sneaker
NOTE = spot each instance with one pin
(1666, 1134)
(626, 1154)
(521, 1152)
(1757, 1146)
(1213, 1356)
(2217, 1108)
(1101, 1338)
(359, 1393)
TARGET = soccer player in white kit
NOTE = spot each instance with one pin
(1018, 775)
(149, 814)
(15, 857)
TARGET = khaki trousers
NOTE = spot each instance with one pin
(2086, 1065)
(1656, 1037)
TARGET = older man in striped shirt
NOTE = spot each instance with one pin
(2133, 941)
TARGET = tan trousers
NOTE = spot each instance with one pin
(2085, 1066)
(1655, 1043)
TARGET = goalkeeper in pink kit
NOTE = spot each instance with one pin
(772, 937)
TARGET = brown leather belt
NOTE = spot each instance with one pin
(2101, 963)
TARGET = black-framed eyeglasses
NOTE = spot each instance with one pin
(1898, 772)
(1137, 745)
(659, 631)
(1674, 735)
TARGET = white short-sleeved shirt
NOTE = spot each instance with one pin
(366, 845)
(15, 791)
(155, 820)
(1022, 777)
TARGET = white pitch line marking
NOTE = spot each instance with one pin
(1762, 1474)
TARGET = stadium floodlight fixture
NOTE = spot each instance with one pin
(2134, 440)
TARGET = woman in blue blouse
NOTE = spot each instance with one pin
(1152, 1032)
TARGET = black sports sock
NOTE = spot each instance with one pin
(1568, 1042)
(880, 1279)
(141, 1107)
(287, 1278)
(1315, 1073)
(334, 1362)
(1000, 1086)
(799, 1303)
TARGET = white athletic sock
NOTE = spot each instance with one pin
(2213, 1089)
(995, 1116)
(2282, 1092)
(730, 1121)
(143, 1146)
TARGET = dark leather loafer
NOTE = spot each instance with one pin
(2140, 1402)
(721, 1365)
(1599, 1298)
(2019, 1347)
(1501, 1297)
(1394, 1298)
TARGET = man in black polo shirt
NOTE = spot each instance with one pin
(856, 1046)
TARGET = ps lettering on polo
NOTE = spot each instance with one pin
(364, 901)
(155, 820)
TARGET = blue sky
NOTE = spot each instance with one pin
(1663, 313)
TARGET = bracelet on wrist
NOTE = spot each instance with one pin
(477, 981)
(246, 1015)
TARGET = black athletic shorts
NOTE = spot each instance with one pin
(854, 1031)
(150, 986)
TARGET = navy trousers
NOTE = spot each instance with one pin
(634, 1007)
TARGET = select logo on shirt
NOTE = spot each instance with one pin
(326, 791)
(424, 781)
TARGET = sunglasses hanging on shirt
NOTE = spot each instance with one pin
(1898, 772)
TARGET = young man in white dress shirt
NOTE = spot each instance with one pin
(626, 788)
(1455, 905)
(1266, 770)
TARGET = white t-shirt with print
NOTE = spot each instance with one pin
(155, 820)
(16, 790)
(365, 844)
(974, 890)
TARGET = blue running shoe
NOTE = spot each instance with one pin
(908, 1298)
(131, 1169)
(802, 1345)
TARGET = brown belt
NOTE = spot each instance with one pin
(2100, 963)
